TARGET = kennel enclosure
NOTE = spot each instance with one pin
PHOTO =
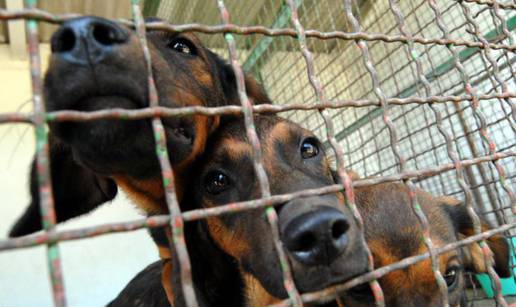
(420, 91)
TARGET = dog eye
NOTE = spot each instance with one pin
(216, 182)
(183, 46)
(309, 148)
(451, 276)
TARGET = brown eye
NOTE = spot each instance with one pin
(216, 182)
(451, 276)
(309, 148)
(183, 46)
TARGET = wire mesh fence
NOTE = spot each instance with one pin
(417, 91)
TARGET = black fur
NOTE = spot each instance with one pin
(144, 290)
(84, 155)
(76, 190)
(215, 274)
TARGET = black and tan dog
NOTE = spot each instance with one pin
(96, 65)
(233, 258)
(393, 232)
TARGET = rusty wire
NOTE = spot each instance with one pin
(412, 53)
(263, 181)
(39, 118)
(178, 244)
(368, 63)
(332, 292)
(493, 3)
(501, 83)
(158, 111)
(48, 214)
(343, 177)
(40, 15)
(484, 134)
(162, 220)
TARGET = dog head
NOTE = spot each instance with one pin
(97, 64)
(321, 238)
(393, 232)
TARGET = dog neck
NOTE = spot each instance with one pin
(216, 276)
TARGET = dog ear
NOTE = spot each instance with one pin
(76, 190)
(352, 174)
(226, 76)
(255, 91)
(474, 257)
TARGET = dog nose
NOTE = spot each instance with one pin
(317, 237)
(87, 40)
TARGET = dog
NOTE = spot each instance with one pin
(97, 64)
(393, 232)
(234, 262)
(145, 289)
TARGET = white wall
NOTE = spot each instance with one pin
(96, 269)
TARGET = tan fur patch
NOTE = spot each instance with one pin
(166, 280)
(201, 136)
(280, 132)
(448, 200)
(418, 277)
(235, 148)
(147, 194)
(164, 252)
(255, 294)
(476, 256)
(201, 74)
(229, 240)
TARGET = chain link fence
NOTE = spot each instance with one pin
(421, 91)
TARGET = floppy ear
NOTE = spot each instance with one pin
(76, 190)
(351, 173)
(474, 258)
(255, 91)
(228, 82)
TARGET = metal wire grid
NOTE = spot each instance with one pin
(391, 117)
(366, 141)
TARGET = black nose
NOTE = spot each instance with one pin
(317, 237)
(87, 40)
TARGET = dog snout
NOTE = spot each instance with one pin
(317, 237)
(87, 40)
